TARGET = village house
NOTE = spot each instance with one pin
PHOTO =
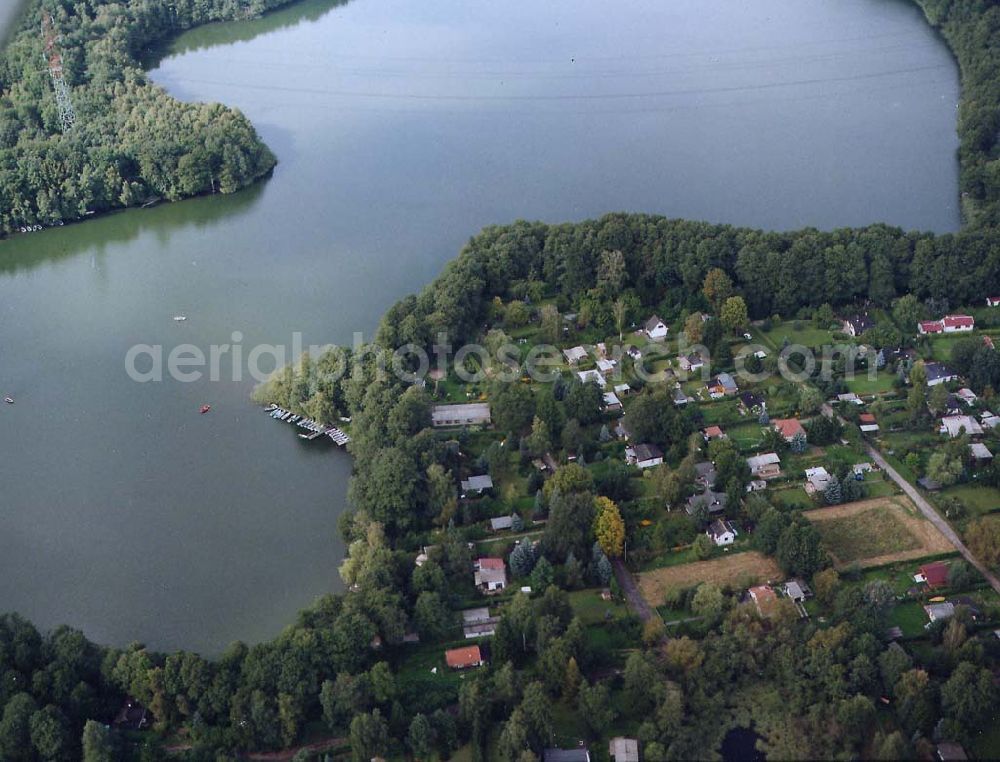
(951, 751)
(490, 575)
(622, 390)
(751, 403)
(656, 329)
(980, 451)
(501, 523)
(990, 421)
(947, 324)
(464, 658)
(477, 484)
(967, 396)
(691, 362)
(465, 414)
(857, 324)
(577, 754)
(634, 352)
(722, 532)
(764, 598)
(611, 402)
(956, 425)
(765, 466)
(680, 398)
(477, 623)
(788, 428)
(624, 749)
(575, 355)
(850, 397)
(938, 611)
(797, 590)
(714, 502)
(723, 385)
(860, 469)
(939, 373)
(934, 575)
(993, 301)
(867, 423)
(643, 455)
(704, 473)
(817, 480)
(606, 367)
(588, 376)
(756, 485)
(621, 430)
(714, 432)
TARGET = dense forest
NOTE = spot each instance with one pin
(972, 29)
(132, 142)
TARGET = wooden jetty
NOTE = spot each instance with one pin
(316, 430)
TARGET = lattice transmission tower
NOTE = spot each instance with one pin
(67, 114)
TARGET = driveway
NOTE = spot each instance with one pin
(631, 591)
(933, 516)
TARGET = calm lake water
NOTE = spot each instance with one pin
(401, 129)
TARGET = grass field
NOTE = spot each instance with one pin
(878, 531)
(863, 386)
(737, 569)
(977, 499)
(806, 334)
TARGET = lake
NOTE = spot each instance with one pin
(401, 129)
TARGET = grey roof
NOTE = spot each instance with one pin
(940, 610)
(726, 381)
(719, 527)
(477, 483)
(579, 754)
(470, 616)
(715, 501)
(501, 522)
(451, 415)
(938, 370)
(647, 452)
(624, 749)
(653, 322)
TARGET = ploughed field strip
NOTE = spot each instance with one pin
(738, 569)
(876, 532)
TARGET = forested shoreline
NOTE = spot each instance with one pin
(336, 664)
(132, 142)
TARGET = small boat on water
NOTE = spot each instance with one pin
(9, 400)
(180, 318)
(205, 409)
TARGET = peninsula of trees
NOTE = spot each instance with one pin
(132, 142)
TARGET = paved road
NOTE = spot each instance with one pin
(932, 515)
(631, 591)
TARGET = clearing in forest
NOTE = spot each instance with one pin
(877, 532)
(738, 569)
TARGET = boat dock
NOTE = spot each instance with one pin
(316, 430)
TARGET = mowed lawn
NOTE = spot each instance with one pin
(876, 532)
(735, 570)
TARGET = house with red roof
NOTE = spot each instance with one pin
(947, 324)
(867, 422)
(993, 301)
(934, 575)
(463, 658)
(788, 428)
(491, 575)
(714, 432)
